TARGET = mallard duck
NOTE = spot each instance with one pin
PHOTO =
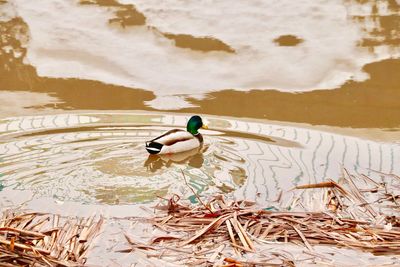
(178, 140)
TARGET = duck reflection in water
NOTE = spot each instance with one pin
(193, 158)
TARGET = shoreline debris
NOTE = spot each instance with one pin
(42, 239)
(355, 213)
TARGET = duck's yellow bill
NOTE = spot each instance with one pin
(204, 126)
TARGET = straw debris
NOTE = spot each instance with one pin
(357, 213)
(41, 239)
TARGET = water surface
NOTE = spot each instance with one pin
(293, 92)
(99, 158)
(341, 59)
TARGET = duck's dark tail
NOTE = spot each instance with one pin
(153, 147)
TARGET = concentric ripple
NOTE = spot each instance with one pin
(100, 158)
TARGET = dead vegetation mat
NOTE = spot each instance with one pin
(41, 239)
(357, 213)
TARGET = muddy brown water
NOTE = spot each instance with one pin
(77, 144)
(319, 130)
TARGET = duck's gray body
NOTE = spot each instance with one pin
(174, 141)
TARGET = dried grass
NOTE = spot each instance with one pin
(40, 239)
(357, 213)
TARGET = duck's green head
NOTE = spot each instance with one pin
(194, 124)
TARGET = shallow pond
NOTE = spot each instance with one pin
(293, 94)
(99, 158)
